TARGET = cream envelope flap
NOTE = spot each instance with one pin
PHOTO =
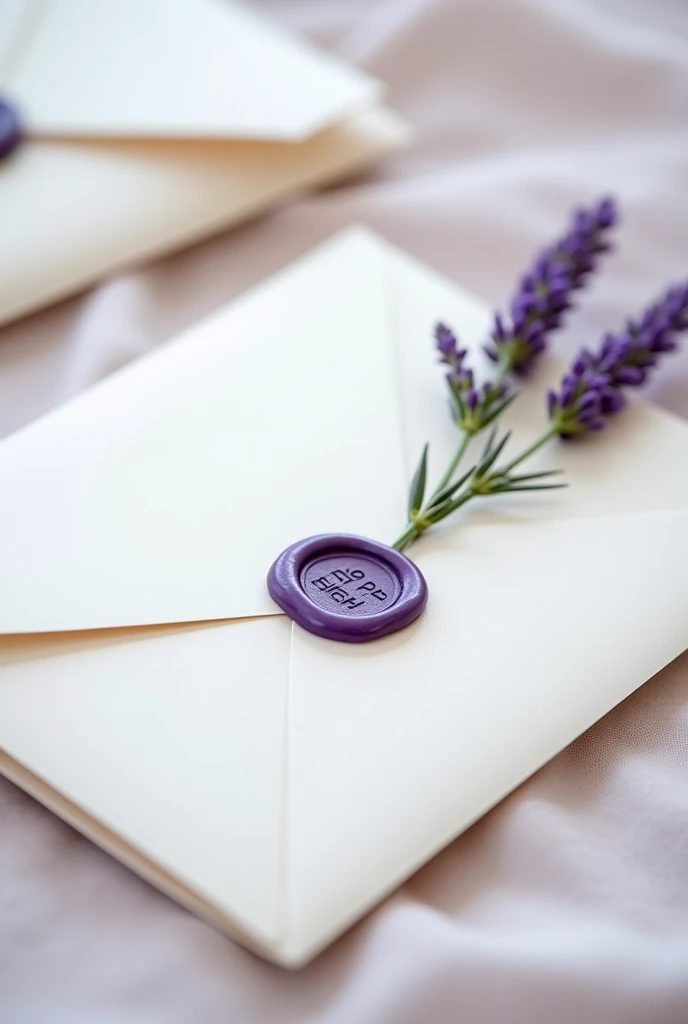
(174, 484)
(151, 125)
(170, 68)
(316, 776)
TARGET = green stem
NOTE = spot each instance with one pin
(407, 537)
(415, 529)
(541, 441)
(451, 468)
(503, 370)
(418, 526)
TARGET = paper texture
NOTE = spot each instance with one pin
(320, 774)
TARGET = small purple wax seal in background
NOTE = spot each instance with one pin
(347, 588)
(10, 129)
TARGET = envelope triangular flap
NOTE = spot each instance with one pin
(170, 740)
(128, 201)
(532, 633)
(174, 68)
(164, 494)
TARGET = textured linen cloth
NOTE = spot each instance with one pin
(569, 902)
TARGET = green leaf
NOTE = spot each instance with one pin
(486, 466)
(460, 406)
(500, 409)
(447, 508)
(488, 447)
(535, 476)
(417, 491)
(451, 489)
(438, 512)
(534, 487)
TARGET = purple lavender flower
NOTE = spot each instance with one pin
(473, 408)
(449, 350)
(592, 389)
(545, 291)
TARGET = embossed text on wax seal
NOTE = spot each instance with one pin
(347, 588)
(357, 585)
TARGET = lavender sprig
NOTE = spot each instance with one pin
(546, 290)
(473, 408)
(537, 309)
(592, 390)
(590, 393)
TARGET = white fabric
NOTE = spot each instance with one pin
(570, 901)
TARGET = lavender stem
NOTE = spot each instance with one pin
(503, 370)
(407, 537)
(535, 446)
(474, 488)
(451, 468)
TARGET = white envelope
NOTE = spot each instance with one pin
(152, 695)
(154, 122)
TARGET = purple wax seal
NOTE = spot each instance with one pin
(347, 588)
(10, 129)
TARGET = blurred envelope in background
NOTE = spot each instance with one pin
(150, 125)
(152, 694)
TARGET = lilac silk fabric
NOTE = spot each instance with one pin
(569, 902)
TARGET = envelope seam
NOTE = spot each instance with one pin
(395, 358)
